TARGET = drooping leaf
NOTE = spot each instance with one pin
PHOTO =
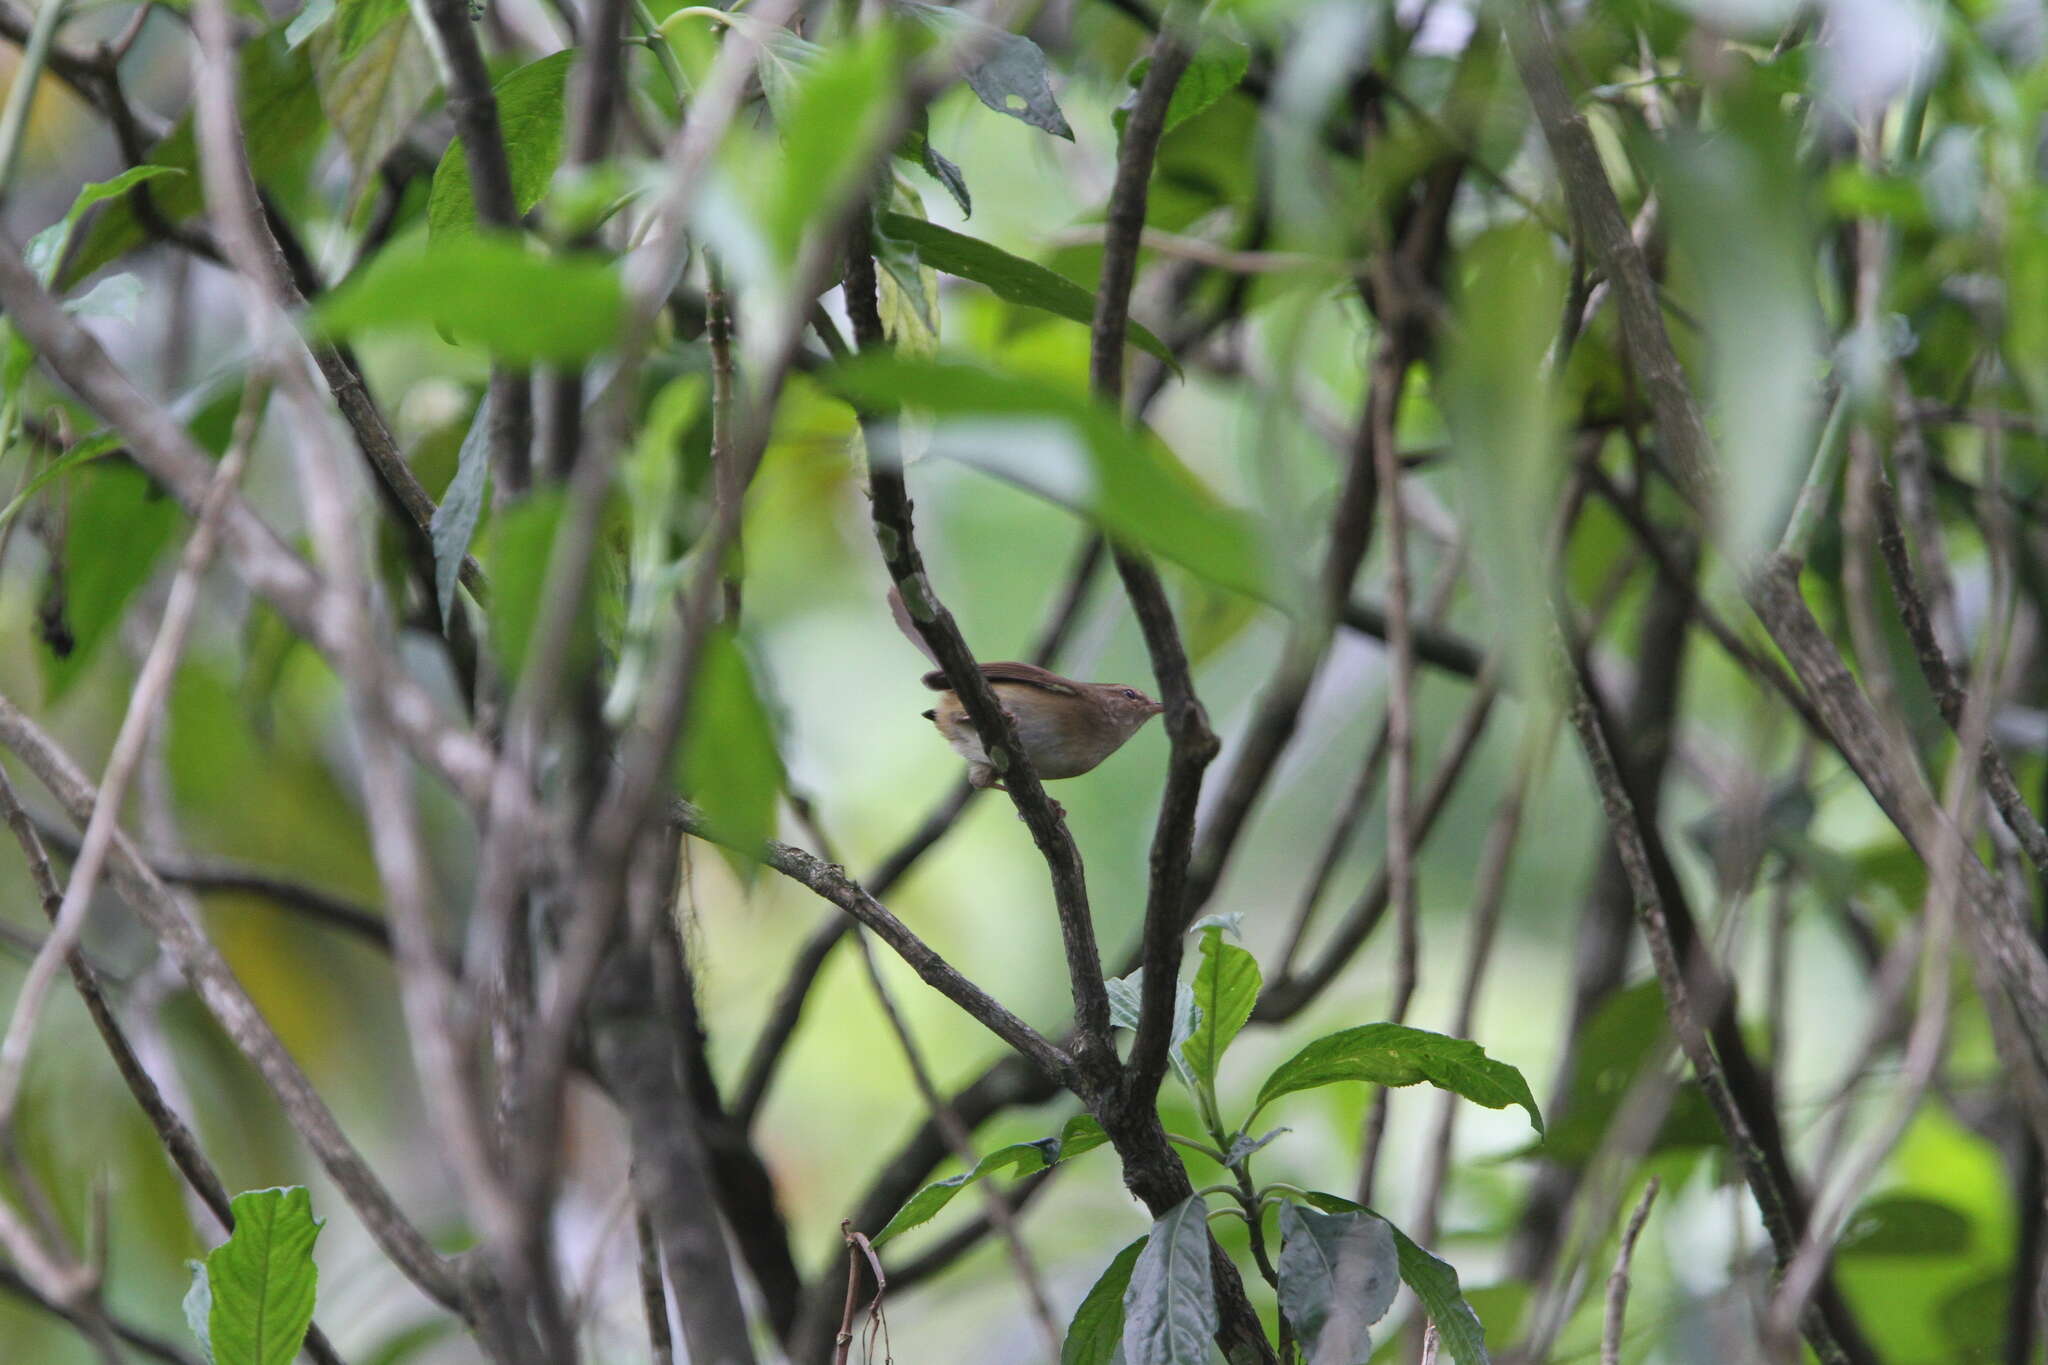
(1338, 1274)
(486, 291)
(1170, 1304)
(917, 146)
(1433, 1282)
(1393, 1054)
(530, 113)
(374, 74)
(1011, 277)
(1098, 1326)
(116, 528)
(1007, 71)
(454, 523)
(1072, 451)
(281, 119)
(263, 1279)
(1081, 1133)
(728, 763)
(1226, 987)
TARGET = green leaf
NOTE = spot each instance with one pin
(1906, 1225)
(1226, 988)
(1217, 68)
(1433, 1282)
(1072, 451)
(487, 291)
(462, 502)
(83, 453)
(46, 249)
(1013, 278)
(1338, 1274)
(281, 119)
(118, 525)
(198, 1306)
(1098, 1326)
(1625, 1033)
(263, 1279)
(834, 111)
(728, 764)
(1007, 71)
(522, 536)
(1126, 995)
(530, 113)
(1393, 1054)
(917, 146)
(374, 74)
(1080, 1134)
(1170, 1305)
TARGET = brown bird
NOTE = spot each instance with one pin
(1066, 727)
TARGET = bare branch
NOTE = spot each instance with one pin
(1617, 1281)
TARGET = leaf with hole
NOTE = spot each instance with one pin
(1006, 71)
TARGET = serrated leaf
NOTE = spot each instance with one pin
(1012, 278)
(1081, 1133)
(1338, 1274)
(1433, 1282)
(1097, 1330)
(1007, 71)
(530, 113)
(374, 74)
(1393, 1054)
(1071, 450)
(280, 115)
(462, 503)
(485, 291)
(263, 1279)
(1170, 1304)
(1226, 987)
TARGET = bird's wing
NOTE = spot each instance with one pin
(1030, 675)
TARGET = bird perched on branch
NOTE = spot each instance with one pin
(1066, 727)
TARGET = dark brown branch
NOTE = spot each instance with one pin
(1094, 1062)
(1436, 646)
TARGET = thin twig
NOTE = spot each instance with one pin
(1617, 1280)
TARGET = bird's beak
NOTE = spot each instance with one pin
(1155, 708)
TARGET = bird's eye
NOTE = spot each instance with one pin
(1131, 693)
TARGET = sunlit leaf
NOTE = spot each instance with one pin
(1218, 66)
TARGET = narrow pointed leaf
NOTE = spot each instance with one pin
(1392, 1054)
(1080, 1134)
(1226, 988)
(1098, 1326)
(1170, 1305)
